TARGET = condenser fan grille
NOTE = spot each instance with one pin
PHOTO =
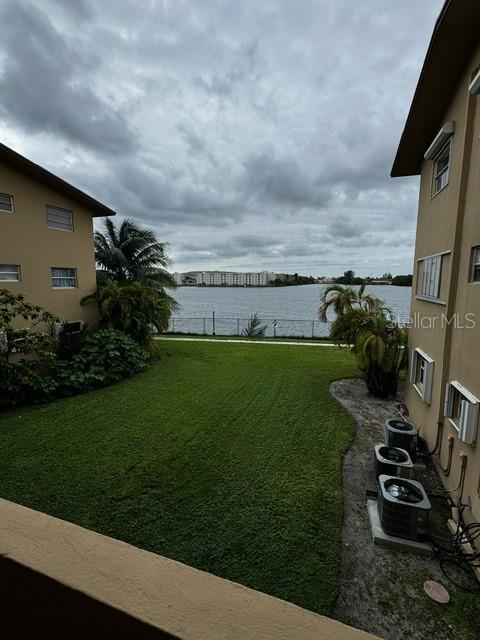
(403, 491)
(401, 425)
(392, 454)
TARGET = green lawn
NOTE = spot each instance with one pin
(225, 457)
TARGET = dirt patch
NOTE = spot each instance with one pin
(381, 590)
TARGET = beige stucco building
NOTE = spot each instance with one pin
(441, 143)
(46, 238)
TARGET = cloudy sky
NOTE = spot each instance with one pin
(250, 134)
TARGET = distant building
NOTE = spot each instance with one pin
(225, 278)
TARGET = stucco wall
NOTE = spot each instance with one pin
(25, 239)
(456, 352)
(82, 584)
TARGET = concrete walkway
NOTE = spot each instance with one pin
(221, 341)
(381, 591)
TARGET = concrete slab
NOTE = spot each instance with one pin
(400, 544)
(370, 482)
(420, 466)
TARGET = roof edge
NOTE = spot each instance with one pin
(395, 173)
(22, 163)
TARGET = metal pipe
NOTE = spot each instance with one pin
(446, 470)
(463, 473)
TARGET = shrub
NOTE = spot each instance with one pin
(254, 328)
(379, 344)
(105, 356)
(133, 308)
(382, 353)
(31, 340)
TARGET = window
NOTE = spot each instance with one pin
(428, 277)
(462, 408)
(421, 373)
(6, 202)
(59, 218)
(64, 278)
(475, 274)
(9, 272)
(441, 166)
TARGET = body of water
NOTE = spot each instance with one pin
(287, 311)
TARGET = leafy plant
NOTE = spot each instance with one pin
(254, 328)
(382, 353)
(14, 309)
(133, 308)
(131, 253)
(379, 344)
(105, 357)
(344, 299)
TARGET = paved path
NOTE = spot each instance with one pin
(221, 341)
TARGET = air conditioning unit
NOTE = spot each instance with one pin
(73, 326)
(402, 435)
(392, 461)
(403, 507)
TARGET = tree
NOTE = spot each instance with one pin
(379, 344)
(133, 308)
(402, 281)
(344, 299)
(381, 351)
(131, 253)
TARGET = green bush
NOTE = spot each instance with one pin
(133, 308)
(105, 356)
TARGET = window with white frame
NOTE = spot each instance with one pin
(421, 373)
(475, 273)
(462, 407)
(9, 272)
(429, 277)
(58, 218)
(6, 202)
(64, 277)
(441, 168)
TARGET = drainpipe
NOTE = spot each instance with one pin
(456, 249)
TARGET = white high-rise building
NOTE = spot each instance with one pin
(228, 278)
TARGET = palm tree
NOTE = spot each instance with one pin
(132, 307)
(381, 350)
(254, 328)
(344, 299)
(131, 253)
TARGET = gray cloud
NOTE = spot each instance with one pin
(45, 84)
(249, 135)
